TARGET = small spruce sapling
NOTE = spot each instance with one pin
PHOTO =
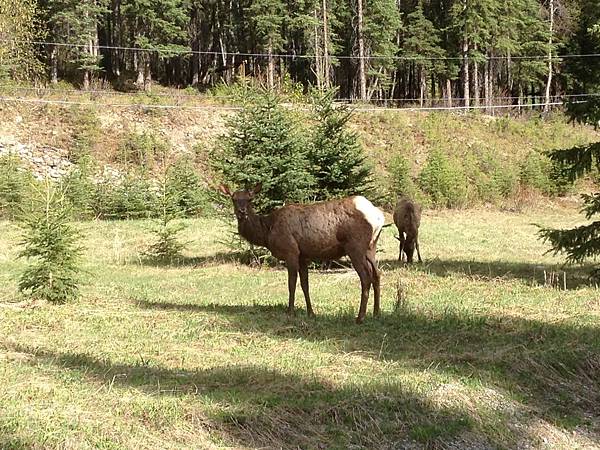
(50, 245)
(167, 247)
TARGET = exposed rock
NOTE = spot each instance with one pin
(43, 161)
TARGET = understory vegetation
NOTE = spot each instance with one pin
(477, 348)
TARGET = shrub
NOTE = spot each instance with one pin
(506, 178)
(336, 157)
(141, 149)
(14, 184)
(559, 178)
(264, 145)
(399, 178)
(185, 185)
(443, 181)
(50, 244)
(79, 188)
(130, 197)
(491, 179)
(86, 130)
(481, 187)
(535, 172)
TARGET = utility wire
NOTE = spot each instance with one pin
(181, 51)
(122, 105)
(50, 90)
(237, 108)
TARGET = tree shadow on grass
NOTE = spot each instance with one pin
(262, 407)
(551, 368)
(10, 442)
(245, 259)
(197, 261)
(576, 276)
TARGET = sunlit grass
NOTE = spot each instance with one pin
(202, 355)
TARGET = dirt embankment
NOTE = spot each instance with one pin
(43, 134)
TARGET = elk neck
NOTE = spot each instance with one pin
(255, 229)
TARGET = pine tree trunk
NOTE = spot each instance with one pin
(326, 59)
(271, 67)
(422, 86)
(195, 46)
(318, 59)
(550, 40)
(114, 38)
(147, 74)
(486, 86)
(520, 104)
(466, 79)
(54, 65)
(465, 61)
(138, 66)
(448, 93)
(476, 81)
(509, 78)
(362, 75)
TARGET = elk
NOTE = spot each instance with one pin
(407, 217)
(298, 234)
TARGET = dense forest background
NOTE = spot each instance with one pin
(430, 52)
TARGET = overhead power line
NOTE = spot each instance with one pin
(237, 108)
(182, 51)
(175, 94)
(122, 105)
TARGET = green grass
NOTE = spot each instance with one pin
(480, 354)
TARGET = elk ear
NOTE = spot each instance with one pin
(225, 189)
(256, 189)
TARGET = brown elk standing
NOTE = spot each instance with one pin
(407, 217)
(298, 234)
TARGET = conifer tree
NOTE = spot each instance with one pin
(382, 22)
(421, 44)
(336, 156)
(154, 24)
(473, 22)
(267, 18)
(583, 242)
(264, 145)
(50, 244)
(18, 28)
(166, 246)
(74, 22)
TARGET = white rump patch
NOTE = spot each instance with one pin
(373, 214)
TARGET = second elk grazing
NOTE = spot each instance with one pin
(407, 217)
(299, 234)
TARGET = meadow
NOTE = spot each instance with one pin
(473, 350)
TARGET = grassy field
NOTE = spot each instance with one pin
(479, 354)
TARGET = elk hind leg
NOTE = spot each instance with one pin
(361, 265)
(375, 280)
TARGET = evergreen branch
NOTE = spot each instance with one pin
(592, 204)
(577, 161)
(578, 243)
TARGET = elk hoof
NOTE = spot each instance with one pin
(311, 313)
(359, 320)
(291, 312)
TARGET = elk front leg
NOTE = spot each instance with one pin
(292, 269)
(304, 284)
